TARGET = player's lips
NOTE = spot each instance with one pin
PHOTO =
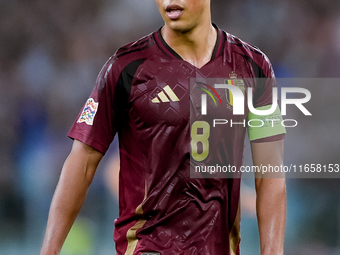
(174, 11)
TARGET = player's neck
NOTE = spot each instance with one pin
(195, 46)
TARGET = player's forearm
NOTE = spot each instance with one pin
(59, 224)
(271, 214)
(65, 206)
(271, 197)
(75, 179)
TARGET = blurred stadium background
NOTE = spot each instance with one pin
(50, 54)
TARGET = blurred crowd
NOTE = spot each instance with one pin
(50, 55)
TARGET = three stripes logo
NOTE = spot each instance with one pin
(165, 96)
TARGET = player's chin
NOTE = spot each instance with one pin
(180, 26)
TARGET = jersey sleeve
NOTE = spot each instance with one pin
(96, 124)
(265, 82)
(263, 97)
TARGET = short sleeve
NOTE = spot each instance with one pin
(265, 82)
(95, 124)
(262, 97)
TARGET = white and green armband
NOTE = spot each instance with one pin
(262, 126)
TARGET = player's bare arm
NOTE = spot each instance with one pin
(271, 198)
(75, 179)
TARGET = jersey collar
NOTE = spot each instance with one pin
(167, 50)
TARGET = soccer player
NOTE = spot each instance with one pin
(143, 94)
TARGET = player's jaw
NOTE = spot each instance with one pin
(183, 15)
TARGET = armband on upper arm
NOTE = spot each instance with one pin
(262, 126)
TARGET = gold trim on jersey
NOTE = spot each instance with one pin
(131, 234)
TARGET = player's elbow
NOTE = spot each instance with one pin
(270, 185)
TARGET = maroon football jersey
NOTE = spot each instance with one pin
(143, 94)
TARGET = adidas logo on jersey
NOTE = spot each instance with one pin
(165, 96)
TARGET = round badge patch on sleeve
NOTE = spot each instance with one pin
(89, 112)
